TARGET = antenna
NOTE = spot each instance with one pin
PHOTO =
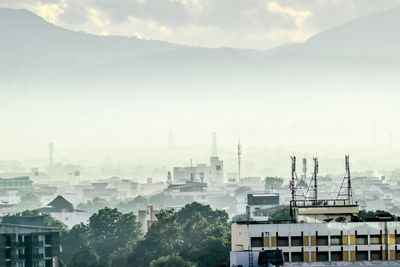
(239, 154)
(314, 182)
(345, 191)
(214, 145)
(294, 183)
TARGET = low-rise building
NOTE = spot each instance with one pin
(64, 211)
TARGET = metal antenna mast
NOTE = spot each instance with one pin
(294, 183)
(345, 191)
(314, 181)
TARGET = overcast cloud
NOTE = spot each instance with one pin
(260, 24)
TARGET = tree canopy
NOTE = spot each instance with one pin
(189, 234)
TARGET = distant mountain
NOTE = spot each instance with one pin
(36, 54)
(372, 36)
(33, 49)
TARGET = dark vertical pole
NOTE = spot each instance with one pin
(315, 178)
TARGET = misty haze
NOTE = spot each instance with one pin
(199, 133)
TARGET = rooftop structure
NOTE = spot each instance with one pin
(64, 211)
(305, 206)
(211, 174)
(320, 230)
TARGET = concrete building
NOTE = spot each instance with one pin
(316, 242)
(147, 217)
(25, 242)
(257, 204)
(211, 174)
(19, 184)
(64, 211)
(319, 230)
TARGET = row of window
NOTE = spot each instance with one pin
(337, 240)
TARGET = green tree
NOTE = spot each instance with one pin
(95, 205)
(73, 240)
(212, 216)
(110, 230)
(280, 214)
(212, 251)
(163, 238)
(171, 261)
(84, 257)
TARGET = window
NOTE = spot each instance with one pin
(322, 240)
(362, 240)
(336, 256)
(297, 256)
(257, 242)
(47, 239)
(375, 240)
(296, 241)
(283, 241)
(336, 240)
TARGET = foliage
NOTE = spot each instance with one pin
(95, 204)
(340, 219)
(195, 236)
(280, 214)
(171, 261)
(189, 234)
(107, 232)
(73, 241)
(371, 215)
(85, 257)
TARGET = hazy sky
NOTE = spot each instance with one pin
(258, 24)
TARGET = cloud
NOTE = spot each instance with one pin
(299, 16)
(258, 24)
(49, 11)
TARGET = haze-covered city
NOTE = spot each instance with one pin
(199, 133)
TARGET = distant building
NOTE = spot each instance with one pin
(147, 217)
(211, 174)
(25, 242)
(100, 190)
(257, 204)
(20, 184)
(64, 211)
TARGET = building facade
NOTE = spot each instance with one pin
(23, 245)
(211, 174)
(319, 242)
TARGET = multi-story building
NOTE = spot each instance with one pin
(211, 174)
(319, 230)
(19, 184)
(316, 242)
(25, 242)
